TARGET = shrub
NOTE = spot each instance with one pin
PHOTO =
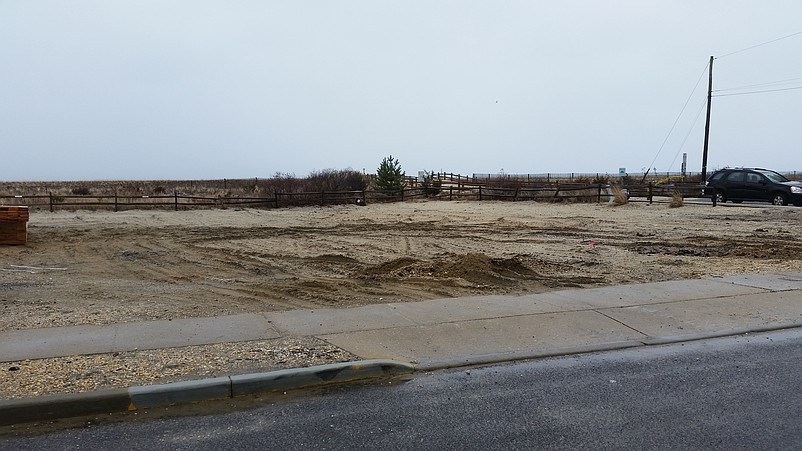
(81, 191)
(600, 179)
(336, 180)
(354, 180)
(430, 186)
(506, 182)
(619, 196)
(283, 183)
(676, 200)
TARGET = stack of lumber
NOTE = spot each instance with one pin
(13, 225)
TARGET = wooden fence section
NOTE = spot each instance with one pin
(650, 191)
(557, 177)
(552, 193)
(112, 202)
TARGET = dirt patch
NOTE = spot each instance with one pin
(479, 271)
(756, 247)
(105, 267)
(396, 268)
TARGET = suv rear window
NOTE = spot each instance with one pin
(752, 177)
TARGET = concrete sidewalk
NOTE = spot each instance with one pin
(449, 332)
(402, 338)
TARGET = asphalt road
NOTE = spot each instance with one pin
(732, 393)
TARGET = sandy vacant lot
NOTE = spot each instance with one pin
(103, 267)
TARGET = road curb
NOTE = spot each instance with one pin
(501, 357)
(52, 407)
(185, 392)
(317, 375)
(671, 339)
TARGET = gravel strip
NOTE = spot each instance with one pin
(29, 378)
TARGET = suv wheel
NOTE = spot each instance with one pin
(779, 199)
(720, 197)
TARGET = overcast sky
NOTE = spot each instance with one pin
(116, 89)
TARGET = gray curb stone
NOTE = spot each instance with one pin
(317, 375)
(179, 392)
(51, 407)
(501, 357)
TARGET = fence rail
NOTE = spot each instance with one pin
(650, 191)
(580, 177)
(117, 202)
(466, 191)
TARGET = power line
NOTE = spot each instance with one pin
(690, 129)
(758, 85)
(757, 92)
(761, 44)
(679, 115)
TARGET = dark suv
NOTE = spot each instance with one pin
(756, 184)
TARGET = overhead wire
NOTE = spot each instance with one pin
(757, 92)
(677, 119)
(759, 45)
(693, 124)
(690, 129)
(758, 85)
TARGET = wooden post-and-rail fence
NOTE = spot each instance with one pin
(596, 193)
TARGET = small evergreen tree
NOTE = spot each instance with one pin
(390, 177)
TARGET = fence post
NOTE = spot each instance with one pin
(323, 198)
(402, 194)
(515, 197)
(175, 194)
(480, 192)
(650, 194)
(115, 201)
(275, 195)
(598, 201)
(450, 192)
(51, 201)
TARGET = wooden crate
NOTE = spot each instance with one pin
(13, 225)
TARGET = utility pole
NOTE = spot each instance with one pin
(707, 121)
